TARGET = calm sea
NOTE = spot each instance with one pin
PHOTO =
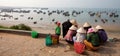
(38, 17)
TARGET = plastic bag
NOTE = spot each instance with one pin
(48, 40)
(79, 47)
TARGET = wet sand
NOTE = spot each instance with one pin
(18, 45)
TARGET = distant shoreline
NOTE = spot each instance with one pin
(109, 28)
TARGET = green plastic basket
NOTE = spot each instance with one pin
(48, 40)
(34, 34)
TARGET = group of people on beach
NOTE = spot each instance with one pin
(87, 35)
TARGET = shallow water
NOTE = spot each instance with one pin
(84, 16)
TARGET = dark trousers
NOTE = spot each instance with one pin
(70, 42)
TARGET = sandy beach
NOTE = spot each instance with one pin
(19, 45)
(42, 16)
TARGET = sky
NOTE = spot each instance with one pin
(62, 3)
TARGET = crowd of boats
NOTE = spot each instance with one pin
(45, 11)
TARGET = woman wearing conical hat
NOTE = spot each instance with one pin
(86, 26)
(74, 22)
(71, 32)
(102, 34)
(67, 24)
(79, 46)
(92, 40)
(80, 36)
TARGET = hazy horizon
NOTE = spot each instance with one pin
(62, 3)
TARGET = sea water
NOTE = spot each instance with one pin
(42, 19)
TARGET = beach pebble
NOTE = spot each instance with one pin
(42, 48)
(52, 51)
(67, 48)
(49, 51)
